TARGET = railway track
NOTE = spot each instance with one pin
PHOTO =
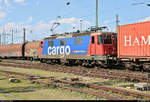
(95, 90)
(125, 75)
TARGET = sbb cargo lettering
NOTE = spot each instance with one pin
(130, 41)
(62, 50)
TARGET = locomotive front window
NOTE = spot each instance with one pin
(50, 43)
(62, 42)
(78, 41)
(100, 41)
(107, 39)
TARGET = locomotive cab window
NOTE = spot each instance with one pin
(50, 43)
(78, 41)
(62, 42)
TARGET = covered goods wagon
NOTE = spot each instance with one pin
(15, 50)
(31, 49)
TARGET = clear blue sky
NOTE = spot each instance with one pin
(38, 15)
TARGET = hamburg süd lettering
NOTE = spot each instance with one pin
(136, 41)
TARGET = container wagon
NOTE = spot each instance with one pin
(134, 45)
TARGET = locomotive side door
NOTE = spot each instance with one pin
(93, 45)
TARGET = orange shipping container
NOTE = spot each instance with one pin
(134, 40)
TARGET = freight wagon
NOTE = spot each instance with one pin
(31, 50)
(134, 45)
(27, 50)
(11, 51)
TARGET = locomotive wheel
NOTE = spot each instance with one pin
(48, 62)
(41, 60)
(85, 64)
(69, 63)
(53, 62)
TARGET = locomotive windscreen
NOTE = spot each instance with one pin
(104, 39)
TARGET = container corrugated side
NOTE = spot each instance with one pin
(134, 40)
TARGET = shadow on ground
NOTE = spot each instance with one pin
(23, 89)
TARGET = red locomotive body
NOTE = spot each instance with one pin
(103, 44)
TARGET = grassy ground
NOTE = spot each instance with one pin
(98, 81)
(113, 83)
(53, 74)
(27, 91)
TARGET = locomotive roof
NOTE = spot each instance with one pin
(60, 36)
